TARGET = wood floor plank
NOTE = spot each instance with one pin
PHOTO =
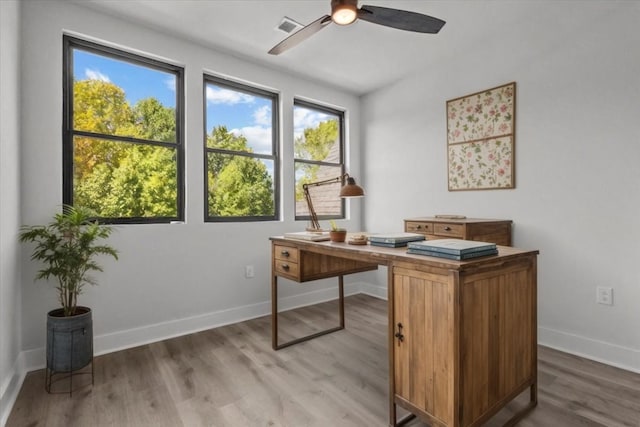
(230, 377)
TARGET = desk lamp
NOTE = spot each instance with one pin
(349, 189)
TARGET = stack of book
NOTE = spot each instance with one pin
(455, 249)
(395, 240)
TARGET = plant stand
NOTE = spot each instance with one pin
(61, 375)
(69, 348)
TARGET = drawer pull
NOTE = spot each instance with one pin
(399, 333)
(447, 228)
(418, 227)
(285, 253)
(285, 267)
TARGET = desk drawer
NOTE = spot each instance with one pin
(287, 269)
(449, 230)
(418, 227)
(285, 253)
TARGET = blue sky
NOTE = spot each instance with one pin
(242, 113)
(138, 82)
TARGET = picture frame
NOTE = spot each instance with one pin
(481, 140)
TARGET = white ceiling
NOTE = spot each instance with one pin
(359, 58)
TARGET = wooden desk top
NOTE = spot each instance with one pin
(384, 256)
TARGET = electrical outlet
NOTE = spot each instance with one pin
(604, 295)
(248, 271)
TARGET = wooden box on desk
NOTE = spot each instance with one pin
(496, 231)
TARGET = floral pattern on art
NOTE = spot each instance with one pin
(480, 137)
(481, 164)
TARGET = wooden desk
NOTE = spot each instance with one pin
(462, 335)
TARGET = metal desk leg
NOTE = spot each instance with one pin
(274, 316)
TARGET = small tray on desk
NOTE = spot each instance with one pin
(357, 239)
(357, 242)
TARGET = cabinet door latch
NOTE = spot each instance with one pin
(399, 333)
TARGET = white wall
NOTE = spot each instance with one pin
(9, 205)
(170, 279)
(577, 195)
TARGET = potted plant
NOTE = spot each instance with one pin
(337, 234)
(68, 247)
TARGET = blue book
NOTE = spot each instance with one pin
(453, 246)
(463, 257)
(396, 238)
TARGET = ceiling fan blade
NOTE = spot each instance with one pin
(301, 35)
(400, 19)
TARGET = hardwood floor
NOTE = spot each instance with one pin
(230, 376)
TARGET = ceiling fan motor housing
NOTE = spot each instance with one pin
(344, 12)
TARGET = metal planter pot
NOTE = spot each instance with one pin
(69, 340)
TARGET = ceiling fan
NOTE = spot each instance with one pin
(345, 12)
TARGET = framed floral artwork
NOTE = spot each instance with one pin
(481, 139)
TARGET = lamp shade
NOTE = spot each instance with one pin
(351, 189)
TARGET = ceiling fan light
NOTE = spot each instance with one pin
(344, 14)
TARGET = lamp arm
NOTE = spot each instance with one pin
(340, 178)
(315, 225)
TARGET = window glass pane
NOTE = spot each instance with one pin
(240, 147)
(318, 150)
(238, 120)
(123, 134)
(316, 135)
(325, 198)
(114, 97)
(123, 180)
(240, 186)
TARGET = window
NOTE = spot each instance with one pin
(123, 134)
(240, 152)
(318, 156)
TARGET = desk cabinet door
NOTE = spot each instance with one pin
(423, 344)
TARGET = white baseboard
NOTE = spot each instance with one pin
(600, 351)
(373, 290)
(10, 389)
(121, 340)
